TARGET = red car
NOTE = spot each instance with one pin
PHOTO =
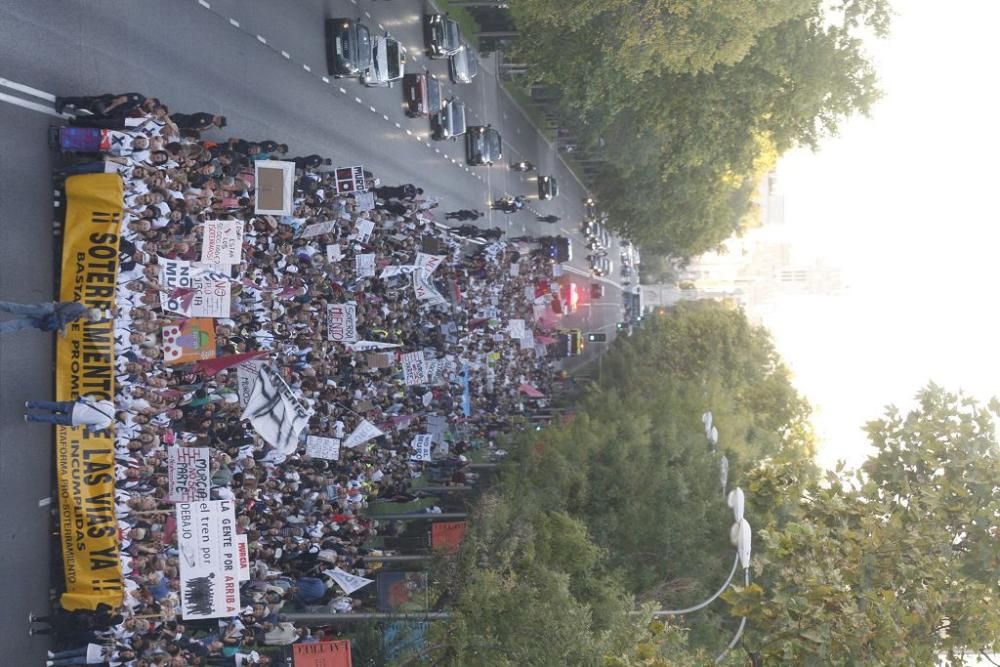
(567, 300)
(423, 94)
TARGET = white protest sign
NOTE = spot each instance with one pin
(365, 345)
(516, 328)
(341, 323)
(323, 448)
(414, 368)
(428, 262)
(365, 201)
(362, 433)
(528, 340)
(364, 265)
(243, 557)
(206, 543)
(246, 378)
(350, 179)
(348, 582)
(318, 229)
(193, 292)
(421, 446)
(391, 271)
(334, 253)
(424, 288)
(515, 270)
(222, 242)
(365, 229)
(188, 474)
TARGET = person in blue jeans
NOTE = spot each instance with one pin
(53, 316)
(95, 413)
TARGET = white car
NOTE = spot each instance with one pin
(388, 62)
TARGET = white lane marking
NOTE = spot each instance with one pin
(408, 132)
(437, 150)
(368, 15)
(234, 23)
(428, 144)
(564, 230)
(398, 126)
(372, 109)
(20, 87)
(260, 38)
(306, 67)
(204, 4)
(381, 27)
(325, 80)
(342, 90)
(358, 100)
(385, 116)
(34, 106)
(285, 55)
(45, 502)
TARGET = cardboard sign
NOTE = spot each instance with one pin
(365, 229)
(364, 201)
(334, 253)
(414, 368)
(222, 242)
(447, 535)
(421, 446)
(191, 291)
(190, 340)
(350, 179)
(319, 447)
(515, 328)
(322, 654)
(273, 187)
(188, 474)
(364, 265)
(318, 229)
(206, 542)
(342, 323)
(243, 557)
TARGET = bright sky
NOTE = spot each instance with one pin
(906, 204)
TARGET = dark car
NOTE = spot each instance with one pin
(449, 123)
(558, 248)
(464, 65)
(548, 188)
(423, 94)
(589, 209)
(443, 36)
(596, 291)
(483, 145)
(348, 47)
(600, 265)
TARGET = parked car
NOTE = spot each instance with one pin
(483, 145)
(548, 188)
(449, 123)
(589, 209)
(601, 265)
(464, 65)
(423, 94)
(443, 36)
(348, 47)
(388, 63)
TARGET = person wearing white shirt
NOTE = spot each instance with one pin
(94, 414)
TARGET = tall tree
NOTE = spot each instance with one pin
(897, 564)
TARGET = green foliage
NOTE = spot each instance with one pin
(687, 95)
(622, 504)
(897, 564)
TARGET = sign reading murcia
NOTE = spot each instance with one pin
(188, 474)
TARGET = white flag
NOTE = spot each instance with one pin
(347, 581)
(364, 432)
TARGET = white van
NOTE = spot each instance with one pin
(388, 62)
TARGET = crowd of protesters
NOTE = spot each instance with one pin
(301, 515)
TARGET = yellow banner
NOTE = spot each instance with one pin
(85, 363)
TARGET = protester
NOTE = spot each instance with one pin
(93, 413)
(53, 316)
(102, 105)
(302, 515)
(464, 214)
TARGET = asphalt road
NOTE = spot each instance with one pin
(262, 65)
